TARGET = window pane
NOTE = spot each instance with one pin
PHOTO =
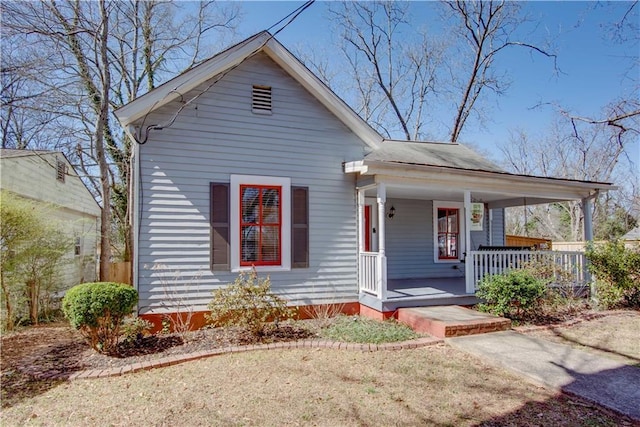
(270, 248)
(270, 206)
(453, 221)
(250, 204)
(249, 243)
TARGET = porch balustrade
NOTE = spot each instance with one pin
(563, 266)
(369, 273)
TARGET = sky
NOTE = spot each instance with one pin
(591, 67)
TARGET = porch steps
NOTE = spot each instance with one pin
(451, 321)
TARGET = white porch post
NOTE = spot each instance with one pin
(470, 285)
(382, 258)
(587, 206)
(588, 237)
(361, 230)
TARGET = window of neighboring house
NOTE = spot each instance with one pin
(448, 231)
(77, 250)
(260, 225)
(61, 170)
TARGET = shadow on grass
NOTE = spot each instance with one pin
(566, 338)
(606, 398)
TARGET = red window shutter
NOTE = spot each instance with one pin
(220, 227)
(299, 227)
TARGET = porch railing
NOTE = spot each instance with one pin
(369, 272)
(563, 267)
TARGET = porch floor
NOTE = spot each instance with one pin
(426, 288)
(420, 292)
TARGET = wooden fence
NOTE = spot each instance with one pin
(522, 241)
(120, 272)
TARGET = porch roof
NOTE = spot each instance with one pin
(444, 171)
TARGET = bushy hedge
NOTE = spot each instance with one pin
(517, 294)
(97, 310)
(616, 269)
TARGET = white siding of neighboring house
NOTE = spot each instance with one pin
(409, 245)
(69, 203)
(218, 135)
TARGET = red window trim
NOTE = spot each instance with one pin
(259, 263)
(447, 233)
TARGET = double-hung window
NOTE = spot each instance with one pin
(260, 225)
(448, 231)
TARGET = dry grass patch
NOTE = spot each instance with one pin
(614, 336)
(436, 385)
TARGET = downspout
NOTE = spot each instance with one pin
(134, 195)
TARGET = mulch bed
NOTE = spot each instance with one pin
(57, 350)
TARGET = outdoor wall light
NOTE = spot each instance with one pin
(392, 212)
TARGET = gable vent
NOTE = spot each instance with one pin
(261, 99)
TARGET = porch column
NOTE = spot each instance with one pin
(587, 207)
(382, 258)
(470, 285)
(361, 230)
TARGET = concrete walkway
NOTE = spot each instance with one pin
(604, 381)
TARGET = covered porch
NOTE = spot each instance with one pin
(430, 228)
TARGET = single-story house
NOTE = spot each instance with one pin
(48, 178)
(249, 160)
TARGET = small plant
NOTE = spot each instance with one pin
(516, 294)
(134, 329)
(248, 303)
(363, 330)
(617, 272)
(324, 313)
(97, 310)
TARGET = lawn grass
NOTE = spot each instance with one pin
(362, 330)
(435, 385)
(615, 336)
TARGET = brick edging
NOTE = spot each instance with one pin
(182, 358)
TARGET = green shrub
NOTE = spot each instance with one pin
(97, 311)
(616, 269)
(248, 303)
(517, 294)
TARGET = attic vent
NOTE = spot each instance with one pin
(261, 100)
(61, 170)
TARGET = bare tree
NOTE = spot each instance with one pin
(95, 57)
(394, 72)
(488, 27)
(594, 155)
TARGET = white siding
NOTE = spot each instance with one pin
(70, 203)
(217, 136)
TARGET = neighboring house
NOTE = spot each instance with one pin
(633, 236)
(48, 177)
(249, 160)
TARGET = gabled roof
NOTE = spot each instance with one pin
(451, 155)
(232, 57)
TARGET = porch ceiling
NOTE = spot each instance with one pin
(497, 189)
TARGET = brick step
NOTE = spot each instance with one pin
(451, 321)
